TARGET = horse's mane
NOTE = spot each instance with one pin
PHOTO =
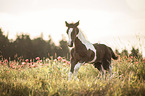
(84, 35)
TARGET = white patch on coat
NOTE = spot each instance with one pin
(76, 69)
(69, 36)
(87, 44)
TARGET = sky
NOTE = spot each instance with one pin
(119, 24)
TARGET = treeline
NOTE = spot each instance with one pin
(134, 53)
(24, 47)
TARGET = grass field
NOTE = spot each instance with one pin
(49, 78)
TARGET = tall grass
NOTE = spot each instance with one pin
(49, 78)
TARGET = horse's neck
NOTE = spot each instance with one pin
(84, 41)
(82, 38)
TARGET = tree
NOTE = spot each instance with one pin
(135, 53)
(4, 46)
(23, 46)
(124, 53)
(64, 48)
(39, 47)
(117, 52)
(51, 47)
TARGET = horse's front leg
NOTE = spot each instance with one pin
(73, 63)
(76, 69)
(75, 66)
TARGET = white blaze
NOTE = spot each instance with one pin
(69, 36)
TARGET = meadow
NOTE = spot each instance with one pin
(48, 77)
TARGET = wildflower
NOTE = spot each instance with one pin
(136, 62)
(18, 66)
(11, 65)
(29, 65)
(40, 61)
(14, 67)
(124, 57)
(1, 62)
(143, 61)
(131, 56)
(34, 65)
(37, 58)
(47, 59)
(63, 64)
(23, 63)
(59, 58)
(6, 60)
(46, 64)
(64, 60)
(55, 60)
(22, 66)
(41, 64)
(68, 62)
(27, 60)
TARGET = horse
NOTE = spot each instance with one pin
(85, 52)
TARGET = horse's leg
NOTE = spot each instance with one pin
(103, 72)
(107, 66)
(110, 70)
(76, 68)
(100, 67)
(73, 63)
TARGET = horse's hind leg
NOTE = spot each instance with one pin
(110, 70)
(107, 66)
(100, 67)
(103, 72)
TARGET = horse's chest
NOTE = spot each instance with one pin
(85, 50)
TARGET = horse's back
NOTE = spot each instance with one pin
(103, 51)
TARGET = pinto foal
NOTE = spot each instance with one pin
(85, 52)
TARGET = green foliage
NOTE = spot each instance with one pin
(4, 45)
(49, 78)
(64, 48)
(134, 53)
(25, 48)
(124, 53)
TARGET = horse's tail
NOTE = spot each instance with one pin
(113, 54)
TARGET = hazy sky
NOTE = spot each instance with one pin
(117, 23)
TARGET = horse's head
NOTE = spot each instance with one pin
(72, 31)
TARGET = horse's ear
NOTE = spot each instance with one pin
(76, 24)
(66, 23)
